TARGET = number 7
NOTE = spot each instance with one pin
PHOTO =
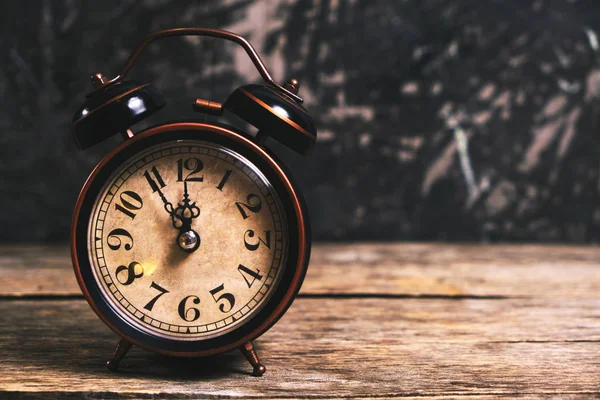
(162, 291)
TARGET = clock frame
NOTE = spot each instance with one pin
(294, 269)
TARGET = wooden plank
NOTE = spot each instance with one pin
(323, 348)
(36, 270)
(457, 270)
(391, 269)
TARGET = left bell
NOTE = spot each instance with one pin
(113, 109)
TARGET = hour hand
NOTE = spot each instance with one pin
(156, 184)
(175, 219)
(167, 204)
(182, 218)
(185, 212)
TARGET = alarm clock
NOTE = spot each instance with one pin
(191, 238)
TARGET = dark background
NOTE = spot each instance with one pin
(438, 120)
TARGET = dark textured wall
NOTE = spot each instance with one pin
(438, 119)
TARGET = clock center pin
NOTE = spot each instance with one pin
(189, 241)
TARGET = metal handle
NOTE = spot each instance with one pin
(205, 32)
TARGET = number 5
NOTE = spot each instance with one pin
(225, 296)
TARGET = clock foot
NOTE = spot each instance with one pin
(248, 351)
(122, 349)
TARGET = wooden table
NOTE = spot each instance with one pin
(384, 320)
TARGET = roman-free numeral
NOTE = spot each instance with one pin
(224, 180)
(130, 202)
(254, 246)
(194, 165)
(116, 238)
(246, 272)
(155, 183)
(189, 314)
(225, 296)
(254, 205)
(133, 271)
(162, 291)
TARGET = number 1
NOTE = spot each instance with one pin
(224, 180)
(153, 184)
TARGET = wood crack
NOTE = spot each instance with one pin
(23, 395)
(391, 296)
(406, 296)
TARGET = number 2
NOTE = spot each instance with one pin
(254, 205)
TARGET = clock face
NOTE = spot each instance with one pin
(187, 240)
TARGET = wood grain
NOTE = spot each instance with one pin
(374, 320)
(324, 348)
(371, 269)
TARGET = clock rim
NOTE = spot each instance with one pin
(292, 204)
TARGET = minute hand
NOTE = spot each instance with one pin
(185, 212)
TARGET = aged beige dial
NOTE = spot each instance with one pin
(187, 240)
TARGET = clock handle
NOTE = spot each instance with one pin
(115, 105)
(221, 34)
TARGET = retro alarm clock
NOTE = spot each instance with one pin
(190, 238)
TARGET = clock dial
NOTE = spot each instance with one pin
(187, 240)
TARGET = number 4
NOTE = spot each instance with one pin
(254, 275)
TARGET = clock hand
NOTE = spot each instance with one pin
(192, 210)
(167, 204)
(185, 212)
(182, 217)
(156, 183)
(188, 239)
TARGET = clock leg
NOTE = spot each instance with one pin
(248, 351)
(122, 349)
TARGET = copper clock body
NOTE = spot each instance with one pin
(175, 340)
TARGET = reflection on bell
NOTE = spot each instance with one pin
(113, 109)
(275, 114)
(281, 111)
(136, 105)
